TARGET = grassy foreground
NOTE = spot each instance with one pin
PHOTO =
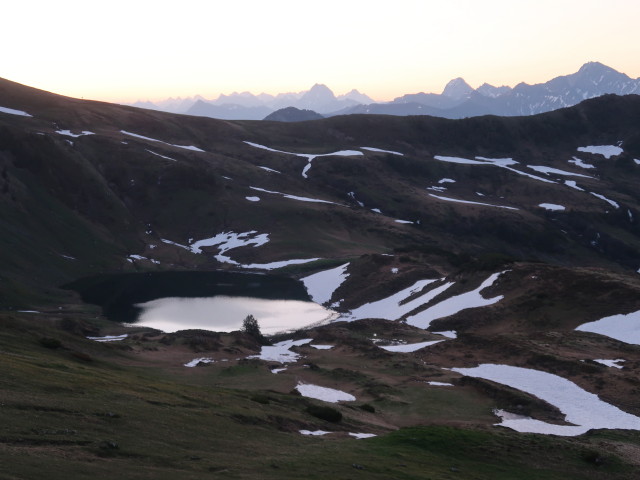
(77, 412)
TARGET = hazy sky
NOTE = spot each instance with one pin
(137, 49)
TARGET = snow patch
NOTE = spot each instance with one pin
(164, 240)
(449, 199)
(446, 180)
(409, 347)
(552, 206)
(585, 410)
(465, 161)
(392, 307)
(186, 147)
(161, 156)
(579, 163)
(309, 156)
(441, 384)
(321, 347)
(609, 201)
(362, 435)
(294, 197)
(607, 151)
(325, 394)
(269, 169)
(611, 363)
(500, 162)
(314, 432)
(372, 149)
(572, 184)
(132, 258)
(253, 199)
(281, 351)
(279, 264)
(448, 334)
(74, 135)
(109, 338)
(321, 285)
(557, 171)
(625, 328)
(11, 111)
(196, 361)
(455, 304)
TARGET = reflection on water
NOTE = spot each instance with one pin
(225, 314)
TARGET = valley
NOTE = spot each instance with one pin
(482, 274)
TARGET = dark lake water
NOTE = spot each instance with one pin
(217, 301)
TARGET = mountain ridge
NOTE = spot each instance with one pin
(458, 99)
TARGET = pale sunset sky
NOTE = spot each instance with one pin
(123, 51)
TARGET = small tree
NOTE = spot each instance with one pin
(251, 327)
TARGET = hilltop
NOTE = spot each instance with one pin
(456, 253)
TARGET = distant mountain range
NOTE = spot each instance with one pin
(457, 100)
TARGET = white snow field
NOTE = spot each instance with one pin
(325, 394)
(141, 137)
(455, 304)
(373, 149)
(607, 151)
(109, 338)
(196, 361)
(392, 308)
(132, 258)
(161, 156)
(496, 162)
(12, 111)
(609, 201)
(611, 363)
(279, 264)
(573, 184)
(557, 171)
(409, 347)
(449, 199)
(321, 285)
(440, 384)
(269, 169)
(164, 240)
(294, 197)
(74, 135)
(465, 161)
(625, 328)
(314, 432)
(253, 199)
(280, 352)
(309, 156)
(552, 206)
(228, 240)
(579, 163)
(362, 435)
(581, 408)
(448, 333)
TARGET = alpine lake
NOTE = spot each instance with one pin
(216, 301)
